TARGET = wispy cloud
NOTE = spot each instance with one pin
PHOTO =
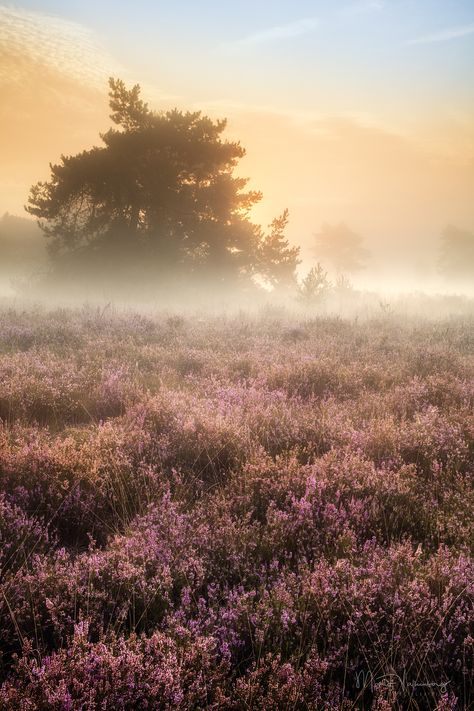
(312, 121)
(280, 32)
(445, 35)
(362, 7)
(68, 47)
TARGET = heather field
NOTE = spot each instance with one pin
(235, 512)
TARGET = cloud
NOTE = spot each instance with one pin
(47, 40)
(363, 6)
(314, 122)
(53, 81)
(445, 35)
(280, 32)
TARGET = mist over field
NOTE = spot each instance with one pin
(237, 355)
(352, 115)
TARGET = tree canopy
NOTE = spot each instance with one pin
(341, 247)
(160, 196)
(457, 254)
(314, 286)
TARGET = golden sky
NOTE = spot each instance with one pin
(337, 123)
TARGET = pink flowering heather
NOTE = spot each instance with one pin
(235, 513)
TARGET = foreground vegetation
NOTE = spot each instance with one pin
(235, 513)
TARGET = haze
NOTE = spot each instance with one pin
(359, 111)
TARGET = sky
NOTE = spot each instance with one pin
(359, 111)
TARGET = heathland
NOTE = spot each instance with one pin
(235, 512)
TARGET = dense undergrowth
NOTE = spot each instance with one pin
(235, 513)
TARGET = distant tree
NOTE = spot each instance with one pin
(314, 287)
(278, 261)
(343, 285)
(159, 196)
(21, 248)
(456, 259)
(341, 247)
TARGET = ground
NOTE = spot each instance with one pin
(235, 512)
